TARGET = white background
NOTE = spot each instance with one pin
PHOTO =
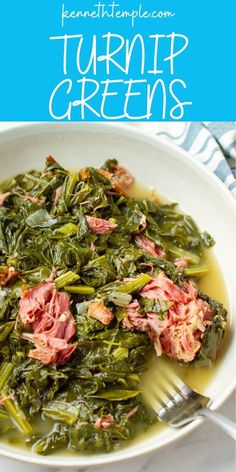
(207, 449)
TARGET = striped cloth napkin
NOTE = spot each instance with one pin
(212, 143)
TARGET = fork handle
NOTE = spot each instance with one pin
(227, 425)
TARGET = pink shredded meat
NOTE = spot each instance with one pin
(33, 302)
(104, 422)
(120, 179)
(52, 276)
(132, 412)
(100, 226)
(156, 327)
(149, 246)
(162, 287)
(134, 319)
(121, 176)
(47, 311)
(98, 310)
(29, 198)
(49, 349)
(3, 197)
(179, 333)
(57, 195)
(181, 263)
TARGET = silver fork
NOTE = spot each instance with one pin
(177, 404)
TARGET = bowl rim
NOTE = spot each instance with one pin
(31, 128)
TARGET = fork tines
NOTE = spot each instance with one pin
(168, 395)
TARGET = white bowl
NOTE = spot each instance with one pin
(174, 174)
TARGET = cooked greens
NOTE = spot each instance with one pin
(91, 281)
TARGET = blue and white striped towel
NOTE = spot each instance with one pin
(212, 143)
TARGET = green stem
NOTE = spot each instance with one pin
(5, 372)
(3, 415)
(72, 180)
(35, 179)
(178, 252)
(17, 416)
(135, 285)
(196, 271)
(66, 279)
(80, 289)
(5, 330)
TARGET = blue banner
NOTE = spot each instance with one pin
(117, 60)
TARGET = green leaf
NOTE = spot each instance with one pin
(117, 395)
(207, 239)
(120, 353)
(40, 219)
(119, 298)
(65, 231)
(61, 411)
(155, 305)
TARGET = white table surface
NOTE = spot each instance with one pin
(207, 449)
